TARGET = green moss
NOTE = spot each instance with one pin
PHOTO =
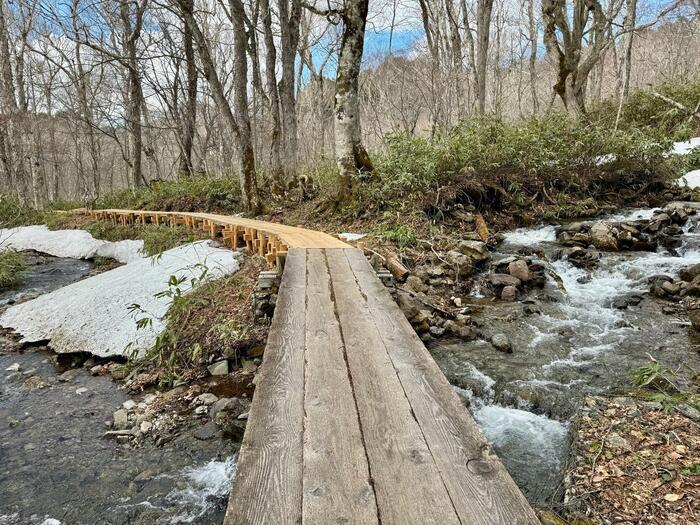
(12, 268)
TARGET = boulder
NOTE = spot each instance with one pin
(520, 270)
(694, 316)
(603, 236)
(475, 250)
(509, 293)
(500, 342)
(503, 279)
(688, 274)
(220, 368)
(121, 419)
(205, 399)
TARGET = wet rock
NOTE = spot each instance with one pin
(436, 331)
(220, 368)
(501, 343)
(458, 330)
(13, 368)
(206, 432)
(205, 399)
(121, 419)
(81, 391)
(688, 274)
(694, 316)
(119, 372)
(509, 293)
(461, 264)
(519, 270)
(603, 236)
(145, 427)
(475, 250)
(671, 288)
(129, 404)
(503, 279)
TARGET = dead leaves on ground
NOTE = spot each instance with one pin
(637, 464)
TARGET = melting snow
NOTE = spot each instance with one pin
(93, 315)
(76, 244)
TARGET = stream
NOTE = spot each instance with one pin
(56, 466)
(565, 346)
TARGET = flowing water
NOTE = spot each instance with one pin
(56, 466)
(566, 345)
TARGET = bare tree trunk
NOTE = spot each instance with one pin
(290, 14)
(134, 88)
(532, 26)
(350, 154)
(483, 33)
(189, 122)
(249, 184)
(272, 94)
(13, 158)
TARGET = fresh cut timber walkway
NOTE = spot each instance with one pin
(352, 421)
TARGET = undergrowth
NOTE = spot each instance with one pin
(211, 322)
(12, 268)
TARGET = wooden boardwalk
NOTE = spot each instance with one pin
(352, 421)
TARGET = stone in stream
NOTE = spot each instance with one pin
(603, 236)
(519, 270)
(475, 250)
(13, 368)
(503, 279)
(121, 419)
(500, 342)
(509, 293)
(688, 274)
(694, 316)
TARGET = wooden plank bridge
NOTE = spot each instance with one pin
(352, 421)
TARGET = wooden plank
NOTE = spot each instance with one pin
(268, 484)
(407, 483)
(481, 489)
(337, 486)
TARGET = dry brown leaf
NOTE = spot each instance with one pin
(672, 496)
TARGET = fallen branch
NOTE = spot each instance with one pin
(693, 113)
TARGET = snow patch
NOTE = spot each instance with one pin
(685, 147)
(350, 237)
(692, 179)
(93, 315)
(75, 244)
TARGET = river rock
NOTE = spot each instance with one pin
(205, 399)
(509, 293)
(220, 368)
(670, 287)
(129, 404)
(694, 316)
(603, 236)
(688, 274)
(500, 342)
(415, 283)
(206, 432)
(519, 269)
(121, 419)
(475, 250)
(14, 367)
(503, 279)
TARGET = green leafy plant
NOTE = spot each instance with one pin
(12, 268)
(653, 374)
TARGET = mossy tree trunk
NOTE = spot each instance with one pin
(351, 157)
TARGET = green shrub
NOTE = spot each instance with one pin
(200, 193)
(485, 161)
(402, 235)
(12, 267)
(692, 160)
(13, 213)
(156, 237)
(652, 115)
